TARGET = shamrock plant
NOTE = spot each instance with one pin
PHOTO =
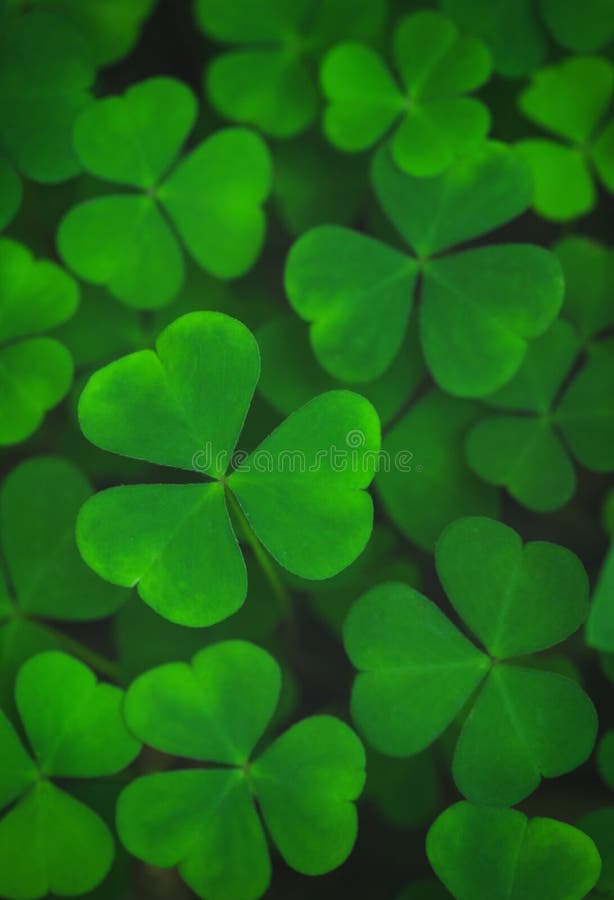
(184, 406)
(478, 307)
(503, 855)
(570, 101)
(204, 819)
(46, 577)
(266, 81)
(50, 840)
(436, 123)
(523, 722)
(35, 372)
(522, 450)
(211, 198)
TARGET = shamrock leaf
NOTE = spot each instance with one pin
(184, 406)
(35, 372)
(46, 72)
(204, 820)
(436, 122)
(417, 671)
(503, 855)
(579, 26)
(39, 502)
(588, 268)
(111, 27)
(49, 840)
(266, 81)
(212, 198)
(427, 483)
(511, 28)
(569, 100)
(479, 307)
(291, 375)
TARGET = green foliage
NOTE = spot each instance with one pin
(429, 485)
(204, 819)
(46, 72)
(501, 854)
(217, 222)
(524, 723)
(35, 372)
(475, 315)
(49, 840)
(176, 542)
(437, 66)
(570, 100)
(267, 82)
(212, 198)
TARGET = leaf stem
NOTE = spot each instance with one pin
(98, 662)
(264, 560)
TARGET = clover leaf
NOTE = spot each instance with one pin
(436, 123)
(417, 671)
(583, 26)
(266, 81)
(111, 27)
(204, 820)
(46, 72)
(35, 372)
(427, 483)
(49, 840)
(291, 374)
(511, 28)
(503, 855)
(588, 268)
(569, 100)
(479, 307)
(211, 198)
(39, 502)
(184, 407)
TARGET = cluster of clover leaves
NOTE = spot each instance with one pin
(151, 567)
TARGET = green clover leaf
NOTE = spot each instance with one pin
(428, 483)
(46, 72)
(291, 374)
(211, 199)
(266, 82)
(503, 855)
(479, 307)
(204, 820)
(35, 372)
(588, 268)
(437, 67)
(39, 502)
(111, 27)
(417, 671)
(511, 28)
(49, 840)
(184, 406)
(570, 100)
(582, 26)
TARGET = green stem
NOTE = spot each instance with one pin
(264, 560)
(100, 663)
